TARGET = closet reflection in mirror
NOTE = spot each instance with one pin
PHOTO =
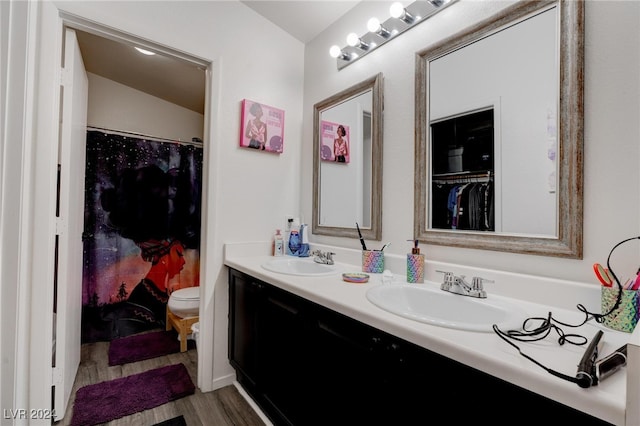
(462, 182)
(347, 161)
(499, 133)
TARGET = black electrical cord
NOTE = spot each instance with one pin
(549, 323)
(506, 337)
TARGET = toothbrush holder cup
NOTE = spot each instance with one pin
(373, 261)
(626, 315)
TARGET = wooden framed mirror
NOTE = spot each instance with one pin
(347, 162)
(500, 106)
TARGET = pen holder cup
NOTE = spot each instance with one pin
(626, 315)
(373, 261)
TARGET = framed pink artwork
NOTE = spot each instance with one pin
(334, 142)
(262, 127)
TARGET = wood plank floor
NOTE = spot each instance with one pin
(225, 406)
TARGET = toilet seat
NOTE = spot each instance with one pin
(186, 294)
(185, 302)
(182, 312)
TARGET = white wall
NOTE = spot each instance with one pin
(118, 107)
(611, 149)
(247, 193)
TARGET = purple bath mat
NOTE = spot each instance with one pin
(106, 401)
(144, 346)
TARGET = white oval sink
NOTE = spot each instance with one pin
(298, 266)
(429, 304)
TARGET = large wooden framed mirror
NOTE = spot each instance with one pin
(347, 162)
(499, 133)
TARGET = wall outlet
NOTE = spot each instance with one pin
(288, 223)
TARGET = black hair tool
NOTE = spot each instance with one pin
(608, 365)
(586, 375)
(364, 246)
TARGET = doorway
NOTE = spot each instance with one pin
(183, 75)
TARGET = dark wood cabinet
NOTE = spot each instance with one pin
(305, 364)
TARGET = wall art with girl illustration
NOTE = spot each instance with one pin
(334, 144)
(262, 127)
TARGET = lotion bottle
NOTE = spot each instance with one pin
(415, 264)
(278, 244)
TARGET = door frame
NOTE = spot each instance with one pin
(205, 360)
(34, 308)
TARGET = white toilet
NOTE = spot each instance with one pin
(185, 302)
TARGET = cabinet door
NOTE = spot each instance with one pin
(283, 342)
(347, 373)
(244, 302)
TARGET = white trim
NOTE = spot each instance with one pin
(119, 36)
(205, 357)
(253, 404)
(21, 55)
(208, 265)
(42, 192)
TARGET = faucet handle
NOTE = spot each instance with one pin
(476, 282)
(447, 281)
(448, 276)
(477, 286)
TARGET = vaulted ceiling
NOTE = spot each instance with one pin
(183, 83)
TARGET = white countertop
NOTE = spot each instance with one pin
(484, 351)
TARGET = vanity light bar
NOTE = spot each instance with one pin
(380, 33)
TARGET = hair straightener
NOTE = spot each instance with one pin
(591, 370)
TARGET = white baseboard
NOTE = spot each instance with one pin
(252, 403)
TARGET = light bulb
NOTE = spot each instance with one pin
(396, 10)
(399, 12)
(373, 25)
(353, 40)
(335, 51)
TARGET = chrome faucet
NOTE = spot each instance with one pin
(320, 257)
(458, 285)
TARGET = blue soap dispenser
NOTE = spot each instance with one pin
(294, 242)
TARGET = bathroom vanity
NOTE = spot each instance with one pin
(313, 350)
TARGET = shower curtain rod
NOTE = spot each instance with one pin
(142, 135)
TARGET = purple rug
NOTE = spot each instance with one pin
(106, 401)
(144, 346)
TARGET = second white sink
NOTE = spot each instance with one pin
(299, 266)
(427, 303)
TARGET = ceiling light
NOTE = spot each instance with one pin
(399, 12)
(336, 52)
(377, 35)
(354, 41)
(374, 26)
(145, 52)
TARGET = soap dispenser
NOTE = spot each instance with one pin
(415, 264)
(293, 242)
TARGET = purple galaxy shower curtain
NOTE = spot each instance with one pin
(138, 192)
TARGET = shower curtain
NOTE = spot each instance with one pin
(141, 194)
